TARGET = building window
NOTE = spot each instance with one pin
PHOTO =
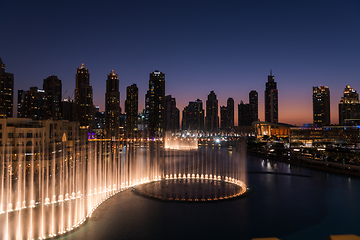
(10, 135)
(29, 135)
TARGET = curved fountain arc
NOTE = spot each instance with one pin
(61, 188)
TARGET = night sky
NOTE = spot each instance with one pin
(225, 46)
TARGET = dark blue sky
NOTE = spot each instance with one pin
(225, 46)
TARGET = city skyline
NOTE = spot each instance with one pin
(227, 47)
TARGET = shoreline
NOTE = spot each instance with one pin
(332, 167)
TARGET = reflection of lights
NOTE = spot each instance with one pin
(217, 140)
(296, 150)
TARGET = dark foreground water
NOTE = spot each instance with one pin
(300, 204)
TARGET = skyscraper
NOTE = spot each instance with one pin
(212, 116)
(112, 105)
(349, 106)
(321, 106)
(84, 108)
(223, 118)
(230, 114)
(131, 110)
(20, 104)
(271, 100)
(172, 114)
(6, 92)
(53, 90)
(244, 114)
(253, 101)
(156, 97)
(34, 104)
(193, 116)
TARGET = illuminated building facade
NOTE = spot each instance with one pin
(33, 104)
(84, 108)
(131, 110)
(6, 92)
(156, 98)
(212, 116)
(112, 105)
(321, 106)
(271, 100)
(349, 106)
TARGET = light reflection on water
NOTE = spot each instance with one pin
(310, 205)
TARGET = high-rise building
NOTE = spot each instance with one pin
(6, 92)
(156, 95)
(230, 114)
(193, 116)
(224, 118)
(349, 106)
(34, 104)
(244, 114)
(112, 105)
(212, 116)
(131, 110)
(20, 104)
(84, 108)
(172, 114)
(321, 106)
(68, 110)
(53, 90)
(271, 100)
(253, 101)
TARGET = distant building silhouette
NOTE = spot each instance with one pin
(172, 114)
(230, 114)
(6, 92)
(84, 108)
(248, 112)
(156, 98)
(244, 114)
(193, 116)
(112, 105)
(271, 100)
(253, 101)
(223, 118)
(212, 116)
(349, 106)
(53, 90)
(227, 116)
(321, 106)
(131, 110)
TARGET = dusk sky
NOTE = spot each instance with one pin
(225, 46)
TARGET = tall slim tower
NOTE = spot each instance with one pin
(156, 97)
(84, 108)
(321, 106)
(271, 100)
(53, 91)
(212, 116)
(131, 110)
(112, 105)
(172, 114)
(6, 92)
(253, 101)
(230, 114)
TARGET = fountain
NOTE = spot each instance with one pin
(48, 191)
